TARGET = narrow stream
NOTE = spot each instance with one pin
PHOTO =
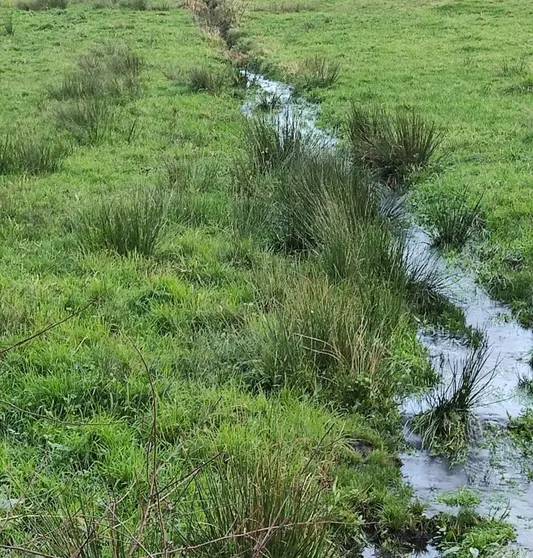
(497, 476)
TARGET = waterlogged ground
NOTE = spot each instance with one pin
(190, 361)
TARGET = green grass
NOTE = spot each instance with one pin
(466, 533)
(450, 423)
(250, 359)
(456, 63)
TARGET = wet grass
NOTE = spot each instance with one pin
(455, 222)
(466, 533)
(144, 236)
(394, 146)
(449, 423)
(476, 91)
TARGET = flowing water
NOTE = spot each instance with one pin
(496, 473)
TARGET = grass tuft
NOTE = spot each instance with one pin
(270, 146)
(38, 5)
(509, 68)
(88, 121)
(30, 155)
(449, 423)
(455, 221)
(205, 79)
(269, 101)
(9, 26)
(220, 16)
(138, 5)
(318, 71)
(285, 7)
(125, 226)
(525, 383)
(394, 146)
(525, 86)
(259, 510)
(109, 70)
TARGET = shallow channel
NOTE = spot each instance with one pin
(496, 475)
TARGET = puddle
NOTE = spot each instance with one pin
(498, 478)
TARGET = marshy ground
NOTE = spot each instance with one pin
(235, 324)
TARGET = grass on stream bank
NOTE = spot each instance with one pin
(465, 64)
(243, 326)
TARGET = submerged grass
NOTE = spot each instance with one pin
(450, 422)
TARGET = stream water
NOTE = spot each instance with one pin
(496, 473)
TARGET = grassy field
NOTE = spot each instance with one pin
(467, 64)
(241, 326)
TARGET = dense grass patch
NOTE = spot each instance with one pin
(127, 225)
(110, 69)
(449, 423)
(455, 221)
(88, 121)
(205, 79)
(20, 153)
(395, 146)
(318, 71)
(37, 5)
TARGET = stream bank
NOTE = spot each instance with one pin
(495, 473)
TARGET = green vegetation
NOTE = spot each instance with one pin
(467, 534)
(454, 221)
(317, 71)
(225, 319)
(395, 146)
(464, 65)
(449, 423)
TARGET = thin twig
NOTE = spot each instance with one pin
(43, 331)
